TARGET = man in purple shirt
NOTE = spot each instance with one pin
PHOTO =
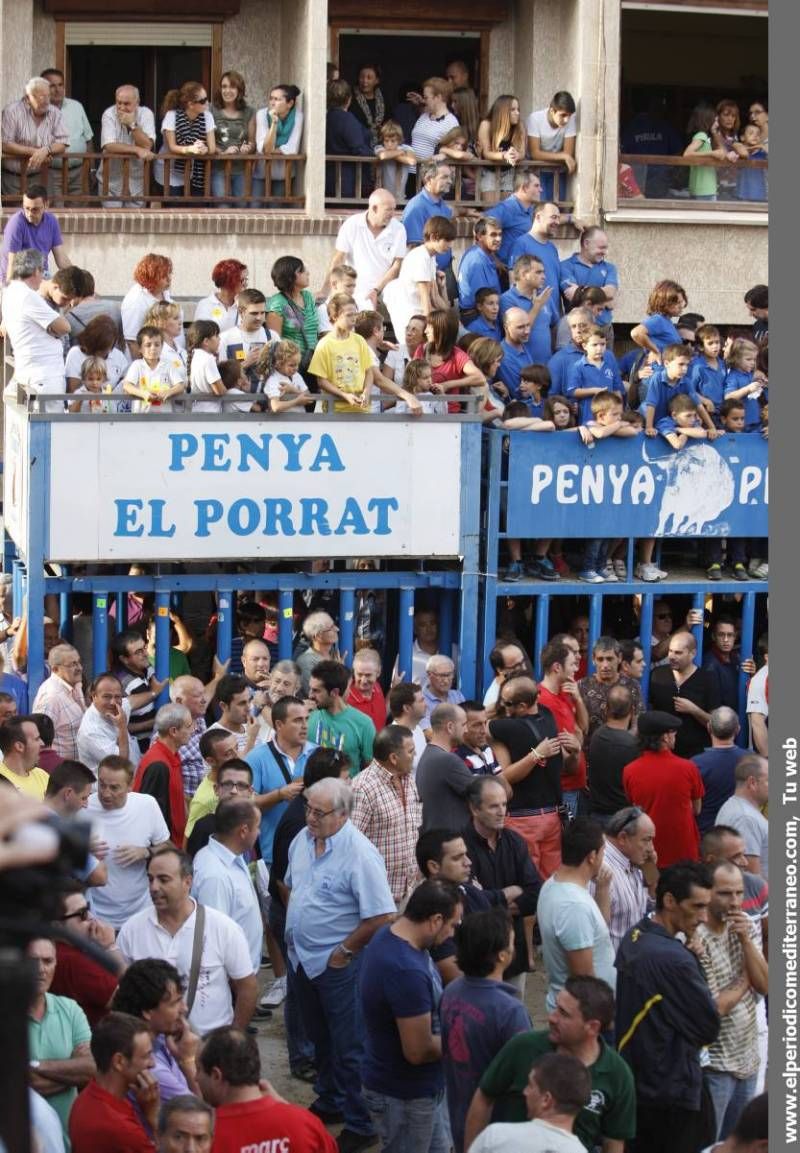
(32, 226)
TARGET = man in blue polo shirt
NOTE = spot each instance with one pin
(436, 178)
(278, 767)
(32, 226)
(516, 356)
(588, 266)
(530, 294)
(538, 242)
(515, 213)
(478, 267)
(580, 323)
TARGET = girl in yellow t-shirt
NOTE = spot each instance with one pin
(342, 361)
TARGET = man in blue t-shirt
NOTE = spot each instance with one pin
(400, 987)
(717, 764)
(580, 324)
(515, 213)
(531, 295)
(278, 767)
(517, 328)
(478, 268)
(436, 178)
(538, 242)
(32, 226)
(588, 266)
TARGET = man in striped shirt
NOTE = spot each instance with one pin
(387, 808)
(629, 846)
(32, 129)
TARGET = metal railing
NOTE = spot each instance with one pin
(349, 180)
(102, 179)
(673, 193)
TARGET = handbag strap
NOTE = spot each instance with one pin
(280, 761)
(197, 952)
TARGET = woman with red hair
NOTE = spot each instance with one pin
(229, 277)
(152, 277)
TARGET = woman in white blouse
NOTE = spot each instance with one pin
(279, 128)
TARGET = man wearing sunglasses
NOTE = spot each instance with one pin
(78, 975)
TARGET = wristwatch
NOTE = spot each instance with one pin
(347, 952)
(34, 1064)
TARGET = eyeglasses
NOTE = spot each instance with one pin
(316, 814)
(82, 914)
(235, 787)
(621, 820)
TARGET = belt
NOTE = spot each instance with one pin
(535, 812)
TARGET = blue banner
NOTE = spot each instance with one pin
(640, 487)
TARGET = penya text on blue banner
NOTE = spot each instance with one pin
(637, 486)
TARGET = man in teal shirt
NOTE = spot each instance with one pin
(333, 724)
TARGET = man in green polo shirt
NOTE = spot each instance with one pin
(334, 724)
(584, 1009)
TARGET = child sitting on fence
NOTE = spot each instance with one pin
(682, 424)
(151, 380)
(93, 393)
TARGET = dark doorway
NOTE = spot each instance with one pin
(406, 58)
(95, 73)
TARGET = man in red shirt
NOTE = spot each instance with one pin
(668, 788)
(557, 693)
(103, 1119)
(77, 974)
(229, 1076)
(365, 694)
(160, 772)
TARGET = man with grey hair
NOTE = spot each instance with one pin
(438, 688)
(515, 213)
(435, 179)
(442, 777)
(33, 329)
(103, 730)
(191, 692)
(126, 129)
(631, 859)
(365, 692)
(339, 897)
(61, 698)
(717, 764)
(742, 811)
(33, 133)
(322, 634)
(375, 244)
(185, 1125)
(160, 773)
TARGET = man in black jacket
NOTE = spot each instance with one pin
(666, 1014)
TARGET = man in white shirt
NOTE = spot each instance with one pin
(221, 875)
(77, 125)
(408, 706)
(60, 697)
(126, 129)
(375, 244)
(131, 825)
(103, 729)
(559, 1086)
(244, 342)
(33, 328)
(166, 930)
(758, 709)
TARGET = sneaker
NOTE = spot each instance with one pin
(662, 572)
(561, 566)
(608, 573)
(275, 995)
(648, 572)
(755, 563)
(543, 568)
(740, 572)
(261, 1013)
(515, 571)
(590, 577)
(714, 572)
(305, 1071)
(351, 1142)
(621, 569)
(762, 572)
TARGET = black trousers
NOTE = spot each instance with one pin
(669, 1129)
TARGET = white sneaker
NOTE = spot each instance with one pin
(662, 573)
(762, 572)
(755, 564)
(648, 572)
(608, 573)
(275, 995)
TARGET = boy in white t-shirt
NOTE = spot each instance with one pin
(245, 341)
(342, 278)
(149, 379)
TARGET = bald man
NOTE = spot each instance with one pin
(126, 129)
(374, 243)
(516, 354)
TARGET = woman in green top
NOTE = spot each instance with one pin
(702, 179)
(235, 122)
(291, 311)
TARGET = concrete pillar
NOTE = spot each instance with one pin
(314, 40)
(597, 50)
(16, 48)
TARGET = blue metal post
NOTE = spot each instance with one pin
(699, 604)
(468, 667)
(121, 622)
(65, 612)
(99, 633)
(406, 634)
(492, 530)
(17, 586)
(747, 648)
(446, 624)
(162, 644)
(285, 622)
(595, 627)
(347, 624)
(226, 607)
(541, 631)
(646, 636)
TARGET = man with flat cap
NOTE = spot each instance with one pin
(668, 788)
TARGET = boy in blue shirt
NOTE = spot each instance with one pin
(487, 322)
(707, 370)
(478, 267)
(595, 372)
(682, 424)
(665, 383)
(534, 388)
(529, 294)
(731, 415)
(605, 420)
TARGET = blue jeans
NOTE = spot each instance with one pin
(730, 1095)
(331, 1008)
(595, 554)
(414, 1126)
(572, 799)
(218, 182)
(297, 1043)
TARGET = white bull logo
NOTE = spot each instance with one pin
(698, 487)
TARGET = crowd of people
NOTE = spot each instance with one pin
(405, 857)
(440, 117)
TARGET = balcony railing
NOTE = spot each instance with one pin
(658, 180)
(349, 180)
(95, 180)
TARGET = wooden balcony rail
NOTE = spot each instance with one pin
(349, 180)
(95, 180)
(697, 160)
